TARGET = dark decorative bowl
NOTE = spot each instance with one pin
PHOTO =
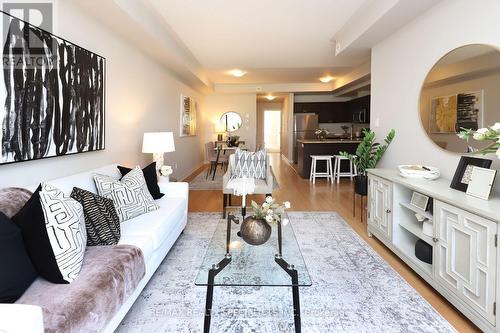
(255, 231)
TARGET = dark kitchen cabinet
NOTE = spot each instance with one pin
(337, 112)
(328, 112)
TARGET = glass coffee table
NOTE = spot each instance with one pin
(230, 261)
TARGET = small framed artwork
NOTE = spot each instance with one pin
(420, 201)
(463, 173)
(481, 182)
(188, 116)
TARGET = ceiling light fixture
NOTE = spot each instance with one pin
(237, 72)
(326, 79)
(270, 97)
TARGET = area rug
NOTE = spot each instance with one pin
(202, 182)
(354, 290)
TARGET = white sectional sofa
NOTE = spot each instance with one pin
(153, 233)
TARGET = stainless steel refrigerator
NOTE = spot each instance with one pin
(304, 125)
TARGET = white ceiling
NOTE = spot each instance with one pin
(278, 41)
(284, 45)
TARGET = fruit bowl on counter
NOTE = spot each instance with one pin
(419, 171)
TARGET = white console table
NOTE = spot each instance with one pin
(465, 265)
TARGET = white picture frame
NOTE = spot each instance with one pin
(481, 182)
(419, 201)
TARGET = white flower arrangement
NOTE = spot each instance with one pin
(166, 170)
(491, 133)
(270, 211)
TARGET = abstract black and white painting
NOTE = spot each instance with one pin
(52, 95)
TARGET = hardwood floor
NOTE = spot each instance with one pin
(338, 197)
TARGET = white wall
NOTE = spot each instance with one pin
(215, 105)
(400, 64)
(141, 96)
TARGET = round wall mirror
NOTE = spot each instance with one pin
(461, 91)
(230, 121)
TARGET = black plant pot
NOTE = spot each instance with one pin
(361, 185)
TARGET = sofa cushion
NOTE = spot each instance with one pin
(84, 180)
(145, 243)
(109, 275)
(101, 220)
(157, 224)
(12, 199)
(66, 230)
(31, 221)
(16, 270)
(130, 194)
(151, 177)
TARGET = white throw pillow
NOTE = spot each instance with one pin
(65, 225)
(249, 164)
(130, 195)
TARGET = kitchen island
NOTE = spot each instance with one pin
(308, 147)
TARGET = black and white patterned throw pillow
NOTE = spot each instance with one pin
(249, 164)
(66, 230)
(130, 195)
(101, 220)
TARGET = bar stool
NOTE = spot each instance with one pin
(353, 170)
(329, 170)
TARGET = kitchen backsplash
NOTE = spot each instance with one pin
(336, 128)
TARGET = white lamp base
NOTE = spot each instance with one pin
(158, 158)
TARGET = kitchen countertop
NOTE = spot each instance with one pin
(309, 141)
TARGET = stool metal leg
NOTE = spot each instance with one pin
(314, 172)
(339, 162)
(311, 172)
(331, 170)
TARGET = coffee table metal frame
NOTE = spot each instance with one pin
(217, 268)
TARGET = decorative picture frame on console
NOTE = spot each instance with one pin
(53, 93)
(464, 170)
(481, 182)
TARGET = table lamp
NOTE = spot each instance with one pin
(158, 143)
(219, 129)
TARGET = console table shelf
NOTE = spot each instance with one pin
(417, 210)
(416, 231)
(465, 264)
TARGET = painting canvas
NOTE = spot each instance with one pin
(188, 116)
(52, 96)
(451, 113)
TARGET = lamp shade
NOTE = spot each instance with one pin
(158, 142)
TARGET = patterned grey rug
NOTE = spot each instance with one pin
(201, 182)
(354, 289)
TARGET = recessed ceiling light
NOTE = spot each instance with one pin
(237, 72)
(270, 97)
(326, 79)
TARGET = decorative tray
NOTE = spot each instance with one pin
(419, 172)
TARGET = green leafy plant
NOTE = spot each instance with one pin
(369, 152)
(270, 211)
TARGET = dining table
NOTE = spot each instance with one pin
(224, 148)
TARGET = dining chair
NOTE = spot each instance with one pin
(214, 157)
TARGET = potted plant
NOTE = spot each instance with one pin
(256, 229)
(321, 133)
(233, 141)
(368, 154)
